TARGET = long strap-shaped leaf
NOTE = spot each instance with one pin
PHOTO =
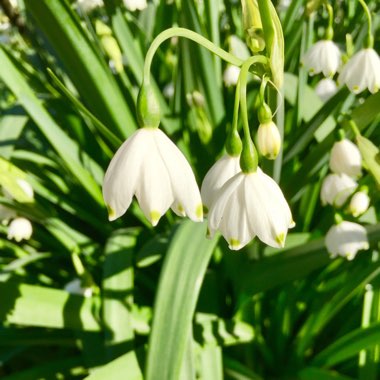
(83, 63)
(180, 281)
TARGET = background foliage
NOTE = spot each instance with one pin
(257, 314)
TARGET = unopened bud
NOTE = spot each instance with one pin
(269, 140)
(359, 203)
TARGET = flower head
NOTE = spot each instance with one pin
(346, 239)
(134, 5)
(325, 89)
(231, 75)
(250, 205)
(359, 203)
(149, 166)
(336, 189)
(269, 140)
(89, 5)
(217, 176)
(345, 158)
(323, 57)
(362, 71)
(19, 229)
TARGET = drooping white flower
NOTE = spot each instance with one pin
(336, 189)
(238, 48)
(362, 71)
(323, 57)
(75, 287)
(250, 205)
(269, 140)
(346, 239)
(326, 88)
(151, 167)
(89, 5)
(223, 169)
(231, 75)
(345, 158)
(134, 5)
(359, 203)
(19, 229)
(168, 90)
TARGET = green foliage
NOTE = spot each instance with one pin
(165, 302)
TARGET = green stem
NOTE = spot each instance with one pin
(249, 157)
(369, 42)
(330, 29)
(183, 32)
(233, 142)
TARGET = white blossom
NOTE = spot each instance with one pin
(346, 239)
(89, 5)
(231, 75)
(345, 158)
(19, 229)
(224, 169)
(359, 203)
(326, 88)
(151, 167)
(250, 205)
(322, 57)
(75, 287)
(336, 189)
(168, 90)
(362, 71)
(238, 48)
(269, 140)
(134, 5)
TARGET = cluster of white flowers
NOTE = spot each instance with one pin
(360, 72)
(239, 205)
(345, 238)
(131, 5)
(19, 228)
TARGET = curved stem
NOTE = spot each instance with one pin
(183, 32)
(369, 43)
(330, 29)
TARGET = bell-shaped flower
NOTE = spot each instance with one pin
(326, 88)
(151, 167)
(20, 229)
(134, 5)
(362, 71)
(89, 5)
(231, 75)
(250, 205)
(345, 158)
(269, 140)
(323, 57)
(223, 169)
(346, 239)
(359, 203)
(336, 189)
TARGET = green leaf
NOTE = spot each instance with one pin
(371, 156)
(348, 346)
(365, 113)
(124, 367)
(312, 373)
(179, 285)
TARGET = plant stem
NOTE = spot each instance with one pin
(369, 42)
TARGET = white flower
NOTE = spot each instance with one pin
(345, 158)
(323, 57)
(25, 186)
(75, 287)
(19, 229)
(336, 189)
(326, 88)
(168, 90)
(231, 75)
(151, 167)
(346, 239)
(223, 169)
(269, 140)
(362, 71)
(283, 5)
(133, 5)
(238, 48)
(250, 205)
(89, 5)
(359, 203)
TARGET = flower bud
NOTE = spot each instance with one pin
(269, 140)
(336, 189)
(148, 108)
(359, 203)
(231, 75)
(253, 26)
(345, 158)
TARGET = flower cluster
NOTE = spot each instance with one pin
(345, 238)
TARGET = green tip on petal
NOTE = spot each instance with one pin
(234, 243)
(208, 234)
(180, 209)
(111, 213)
(205, 210)
(154, 217)
(199, 212)
(280, 239)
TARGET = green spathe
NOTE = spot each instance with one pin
(148, 108)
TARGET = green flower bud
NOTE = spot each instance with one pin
(253, 26)
(265, 114)
(249, 157)
(148, 108)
